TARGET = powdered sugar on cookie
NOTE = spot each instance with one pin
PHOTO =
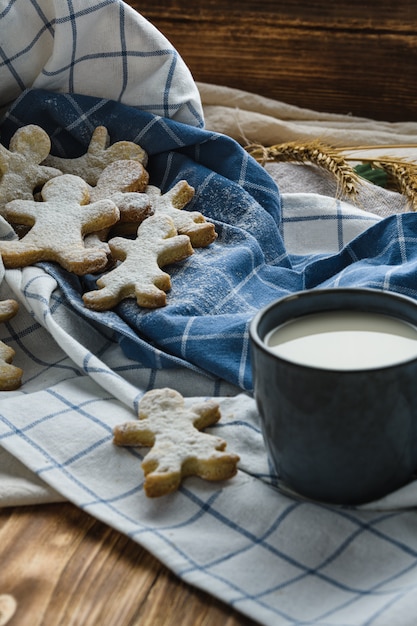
(178, 448)
(139, 275)
(98, 156)
(21, 172)
(10, 375)
(58, 226)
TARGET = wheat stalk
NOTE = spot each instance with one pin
(402, 176)
(326, 157)
(402, 173)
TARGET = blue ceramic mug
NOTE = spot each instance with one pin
(342, 427)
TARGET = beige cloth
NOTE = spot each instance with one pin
(250, 118)
(253, 119)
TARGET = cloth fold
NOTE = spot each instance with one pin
(238, 195)
(105, 49)
(251, 118)
(205, 323)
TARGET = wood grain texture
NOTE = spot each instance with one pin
(346, 57)
(65, 568)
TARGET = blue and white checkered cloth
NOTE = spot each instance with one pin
(296, 561)
(103, 48)
(280, 560)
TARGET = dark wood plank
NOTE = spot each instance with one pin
(344, 57)
(65, 568)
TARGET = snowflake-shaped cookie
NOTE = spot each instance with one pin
(179, 449)
(139, 275)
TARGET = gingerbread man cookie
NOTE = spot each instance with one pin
(139, 275)
(20, 170)
(179, 449)
(10, 375)
(191, 223)
(121, 182)
(57, 227)
(120, 176)
(99, 154)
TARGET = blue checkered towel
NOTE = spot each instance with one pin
(216, 292)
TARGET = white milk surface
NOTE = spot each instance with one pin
(344, 340)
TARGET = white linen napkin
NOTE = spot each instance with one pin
(104, 49)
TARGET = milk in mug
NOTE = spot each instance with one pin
(344, 340)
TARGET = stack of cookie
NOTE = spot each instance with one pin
(94, 214)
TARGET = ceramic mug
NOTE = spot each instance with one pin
(337, 432)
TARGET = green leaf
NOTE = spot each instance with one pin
(375, 175)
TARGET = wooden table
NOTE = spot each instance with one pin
(62, 567)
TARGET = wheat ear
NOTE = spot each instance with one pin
(315, 152)
(402, 175)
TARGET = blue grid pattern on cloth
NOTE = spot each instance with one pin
(102, 48)
(205, 324)
(295, 563)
